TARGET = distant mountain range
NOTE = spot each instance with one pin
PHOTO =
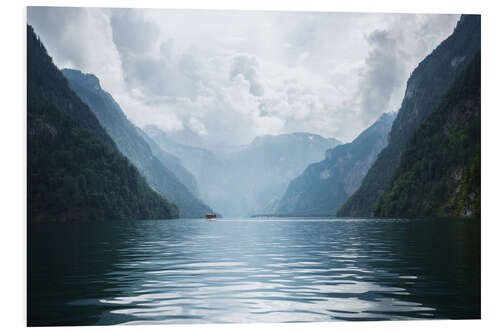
(324, 186)
(425, 89)
(200, 162)
(154, 165)
(75, 170)
(87, 161)
(174, 164)
(252, 179)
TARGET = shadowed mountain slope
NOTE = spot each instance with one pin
(75, 171)
(425, 87)
(324, 186)
(133, 145)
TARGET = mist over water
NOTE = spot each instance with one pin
(252, 270)
(249, 180)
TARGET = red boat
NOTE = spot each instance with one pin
(210, 216)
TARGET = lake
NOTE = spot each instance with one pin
(252, 270)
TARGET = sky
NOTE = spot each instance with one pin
(228, 76)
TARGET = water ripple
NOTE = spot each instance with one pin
(240, 270)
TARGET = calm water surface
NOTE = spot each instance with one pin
(252, 270)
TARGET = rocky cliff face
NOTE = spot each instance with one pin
(133, 145)
(440, 169)
(425, 87)
(324, 186)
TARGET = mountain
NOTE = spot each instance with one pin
(75, 171)
(174, 164)
(324, 186)
(199, 162)
(205, 165)
(186, 136)
(440, 170)
(260, 173)
(424, 90)
(133, 145)
(251, 179)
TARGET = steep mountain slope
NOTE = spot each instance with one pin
(324, 186)
(261, 172)
(174, 164)
(424, 89)
(253, 179)
(133, 145)
(75, 172)
(440, 170)
(206, 166)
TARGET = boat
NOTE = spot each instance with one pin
(210, 217)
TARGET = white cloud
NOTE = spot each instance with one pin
(229, 76)
(80, 38)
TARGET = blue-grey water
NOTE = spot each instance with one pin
(252, 270)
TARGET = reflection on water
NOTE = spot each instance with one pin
(252, 270)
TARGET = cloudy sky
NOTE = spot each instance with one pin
(231, 75)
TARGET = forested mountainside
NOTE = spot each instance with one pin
(324, 186)
(133, 145)
(424, 90)
(253, 179)
(440, 170)
(75, 171)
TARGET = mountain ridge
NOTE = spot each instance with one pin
(425, 87)
(133, 145)
(250, 180)
(440, 169)
(75, 171)
(325, 185)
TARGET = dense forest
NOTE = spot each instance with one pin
(74, 169)
(425, 87)
(132, 142)
(440, 170)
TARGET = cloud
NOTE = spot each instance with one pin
(395, 51)
(228, 76)
(80, 38)
(132, 33)
(147, 61)
(383, 73)
(247, 66)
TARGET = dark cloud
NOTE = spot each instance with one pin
(144, 69)
(248, 66)
(384, 71)
(132, 33)
(395, 51)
